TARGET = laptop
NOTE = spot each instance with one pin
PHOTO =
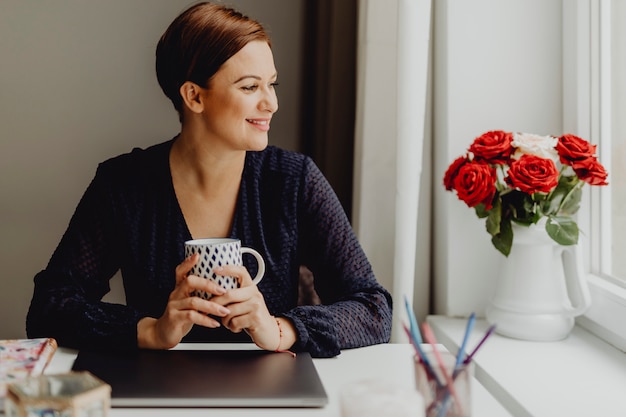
(206, 378)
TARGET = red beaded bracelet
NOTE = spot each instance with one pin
(280, 340)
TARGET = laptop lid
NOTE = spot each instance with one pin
(206, 378)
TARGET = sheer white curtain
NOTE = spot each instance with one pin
(391, 125)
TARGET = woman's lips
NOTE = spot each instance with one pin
(261, 124)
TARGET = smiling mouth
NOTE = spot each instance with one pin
(258, 122)
(261, 124)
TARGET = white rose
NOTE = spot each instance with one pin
(530, 144)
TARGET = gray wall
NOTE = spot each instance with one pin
(77, 86)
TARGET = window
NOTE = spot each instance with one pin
(594, 92)
(617, 88)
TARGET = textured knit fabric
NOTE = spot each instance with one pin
(129, 220)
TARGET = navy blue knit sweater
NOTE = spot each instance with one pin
(129, 220)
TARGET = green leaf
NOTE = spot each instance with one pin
(564, 199)
(504, 240)
(563, 230)
(494, 218)
(480, 211)
(572, 203)
(568, 181)
(551, 206)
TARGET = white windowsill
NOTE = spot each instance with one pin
(605, 317)
(579, 376)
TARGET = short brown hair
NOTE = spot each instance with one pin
(198, 42)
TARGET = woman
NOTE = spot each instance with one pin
(217, 178)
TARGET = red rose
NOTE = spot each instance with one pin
(493, 147)
(475, 183)
(572, 148)
(451, 173)
(591, 171)
(531, 174)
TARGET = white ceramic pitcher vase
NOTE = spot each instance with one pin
(540, 288)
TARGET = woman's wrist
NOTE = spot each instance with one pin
(280, 334)
(286, 334)
(146, 332)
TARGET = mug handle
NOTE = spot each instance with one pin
(260, 261)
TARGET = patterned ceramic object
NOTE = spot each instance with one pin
(218, 252)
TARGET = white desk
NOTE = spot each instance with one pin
(392, 363)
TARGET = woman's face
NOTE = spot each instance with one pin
(240, 99)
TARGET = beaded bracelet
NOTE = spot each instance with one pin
(280, 340)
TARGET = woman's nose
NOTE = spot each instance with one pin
(269, 102)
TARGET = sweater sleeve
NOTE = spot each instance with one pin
(66, 302)
(356, 310)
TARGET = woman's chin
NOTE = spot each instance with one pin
(259, 144)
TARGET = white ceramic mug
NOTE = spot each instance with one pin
(216, 252)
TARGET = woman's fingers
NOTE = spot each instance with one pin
(239, 309)
(202, 306)
(246, 291)
(206, 285)
(239, 272)
(186, 283)
(242, 309)
(183, 269)
(189, 283)
(181, 314)
(184, 309)
(198, 318)
(247, 305)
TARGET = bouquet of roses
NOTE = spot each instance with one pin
(520, 177)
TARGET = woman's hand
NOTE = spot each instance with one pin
(182, 310)
(249, 312)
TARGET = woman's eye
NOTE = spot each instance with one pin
(274, 84)
(249, 87)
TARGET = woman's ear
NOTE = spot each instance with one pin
(190, 93)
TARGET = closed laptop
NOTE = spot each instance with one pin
(206, 378)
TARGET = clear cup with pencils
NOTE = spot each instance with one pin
(447, 390)
(443, 380)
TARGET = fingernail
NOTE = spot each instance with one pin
(224, 310)
(221, 290)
